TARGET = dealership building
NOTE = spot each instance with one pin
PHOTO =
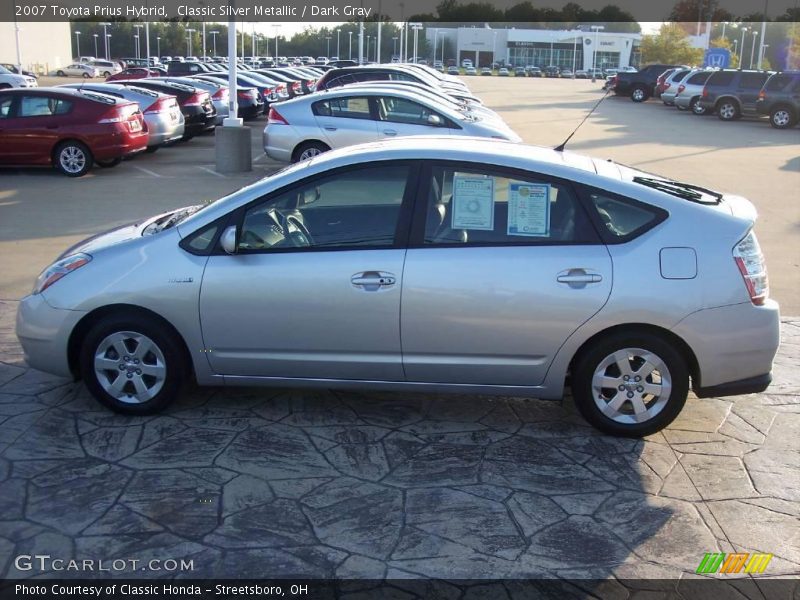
(43, 46)
(536, 47)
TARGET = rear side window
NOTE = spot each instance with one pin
(698, 78)
(43, 106)
(5, 107)
(721, 78)
(621, 218)
(752, 81)
(680, 75)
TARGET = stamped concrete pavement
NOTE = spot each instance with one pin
(317, 484)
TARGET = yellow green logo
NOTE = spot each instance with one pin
(735, 562)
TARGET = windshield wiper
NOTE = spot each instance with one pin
(686, 191)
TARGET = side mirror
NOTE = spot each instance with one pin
(435, 120)
(228, 240)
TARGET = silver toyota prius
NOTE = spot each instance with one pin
(418, 264)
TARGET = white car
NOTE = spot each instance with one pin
(78, 70)
(310, 125)
(106, 68)
(12, 80)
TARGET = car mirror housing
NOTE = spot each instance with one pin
(228, 240)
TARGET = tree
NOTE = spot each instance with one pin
(670, 46)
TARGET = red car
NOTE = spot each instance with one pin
(70, 129)
(133, 73)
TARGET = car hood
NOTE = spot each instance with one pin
(118, 235)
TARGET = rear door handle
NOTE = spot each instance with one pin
(389, 132)
(372, 281)
(329, 128)
(578, 278)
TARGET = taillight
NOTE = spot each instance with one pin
(667, 86)
(281, 89)
(762, 95)
(221, 94)
(705, 92)
(295, 86)
(243, 95)
(196, 99)
(162, 105)
(275, 118)
(681, 87)
(750, 261)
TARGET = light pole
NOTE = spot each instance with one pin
(108, 43)
(753, 48)
(724, 23)
(741, 56)
(105, 37)
(136, 45)
(277, 30)
(78, 42)
(416, 27)
(158, 45)
(394, 47)
(328, 54)
(94, 35)
(574, 51)
(136, 38)
(595, 28)
(189, 33)
(214, 40)
(350, 53)
(761, 54)
(338, 31)
(764, 31)
(253, 49)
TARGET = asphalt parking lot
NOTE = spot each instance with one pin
(277, 483)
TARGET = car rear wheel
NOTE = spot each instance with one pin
(106, 73)
(60, 73)
(309, 150)
(630, 384)
(131, 364)
(86, 76)
(728, 110)
(111, 162)
(782, 117)
(694, 105)
(73, 159)
(639, 94)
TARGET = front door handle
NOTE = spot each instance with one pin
(372, 281)
(578, 278)
(389, 132)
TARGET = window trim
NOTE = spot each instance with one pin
(236, 216)
(606, 236)
(417, 233)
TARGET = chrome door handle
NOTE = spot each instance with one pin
(578, 278)
(372, 281)
(389, 132)
(329, 128)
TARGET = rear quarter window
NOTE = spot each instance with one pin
(620, 219)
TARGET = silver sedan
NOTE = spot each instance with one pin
(310, 125)
(422, 265)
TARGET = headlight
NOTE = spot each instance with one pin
(58, 269)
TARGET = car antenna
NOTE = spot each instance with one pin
(562, 145)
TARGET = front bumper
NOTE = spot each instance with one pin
(43, 332)
(732, 343)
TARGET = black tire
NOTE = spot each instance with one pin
(782, 117)
(111, 162)
(308, 148)
(728, 110)
(66, 151)
(86, 76)
(695, 107)
(60, 73)
(166, 343)
(639, 93)
(591, 361)
(106, 73)
(151, 149)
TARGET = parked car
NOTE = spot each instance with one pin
(136, 62)
(639, 85)
(452, 71)
(636, 280)
(661, 82)
(106, 68)
(551, 71)
(732, 93)
(305, 127)
(13, 80)
(520, 72)
(566, 73)
(68, 129)
(470, 71)
(249, 100)
(503, 72)
(535, 72)
(12, 68)
(198, 111)
(401, 72)
(78, 70)
(581, 74)
(133, 73)
(780, 99)
(670, 86)
(177, 68)
(690, 90)
(486, 71)
(161, 113)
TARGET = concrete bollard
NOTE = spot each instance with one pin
(233, 147)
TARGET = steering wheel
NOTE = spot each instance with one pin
(296, 231)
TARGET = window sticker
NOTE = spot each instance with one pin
(473, 203)
(529, 209)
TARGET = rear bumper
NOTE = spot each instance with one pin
(732, 344)
(751, 385)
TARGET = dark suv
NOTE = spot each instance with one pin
(639, 85)
(733, 93)
(780, 99)
(177, 68)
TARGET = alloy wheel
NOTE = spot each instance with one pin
(310, 153)
(727, 111)
(781, 118)
(638, 94)
(130, 367)
(631, 385)
(72, 159)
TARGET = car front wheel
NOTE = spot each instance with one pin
(73, 159)
(131, 364)
(696, 108)
(86, 76)
(630, 384)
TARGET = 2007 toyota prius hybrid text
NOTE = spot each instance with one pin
(422, 265)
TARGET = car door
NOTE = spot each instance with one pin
(314, 288)
(398, 116)
(34, 128)
(345, 121)
(502, 268)
(750, 85)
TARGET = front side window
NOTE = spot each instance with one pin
(400, 110)
(356, 208)
(473, 206)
